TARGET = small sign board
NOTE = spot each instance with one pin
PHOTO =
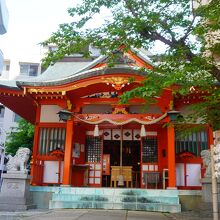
(106, 164)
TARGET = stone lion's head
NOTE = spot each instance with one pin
(23, 153)
(205, 154)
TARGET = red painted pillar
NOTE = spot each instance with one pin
(171, 156)
(67, 166)
(34, 166)
(210, 136)
(34, 180)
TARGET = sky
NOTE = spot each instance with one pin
(31, 22)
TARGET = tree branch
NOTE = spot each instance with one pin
(152, 35)
(189, 29)
(129, 7)
(155, 36)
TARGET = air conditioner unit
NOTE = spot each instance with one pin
(3, 17)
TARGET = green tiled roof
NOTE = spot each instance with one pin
(82, 75)
(58, 71)
(64, 72)
(8, 84)
(61, 70)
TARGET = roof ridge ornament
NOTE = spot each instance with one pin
(119, 57)
(117, 82)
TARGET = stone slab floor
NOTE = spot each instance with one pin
(83, 214)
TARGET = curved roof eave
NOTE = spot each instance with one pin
(6, 84)
(83, 75)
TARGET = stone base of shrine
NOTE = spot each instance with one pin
(107, 198)
(15, 194)
(207, 190)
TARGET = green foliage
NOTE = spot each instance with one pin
(189, 59)
(21, 137)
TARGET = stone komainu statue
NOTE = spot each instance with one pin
(206, 157)
(19, 161)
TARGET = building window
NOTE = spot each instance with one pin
(29, 69)
(51, 139)
(149, 150)
(2, 111)
(193, 143)
(93, 149)
(16, 117)
(6, 66)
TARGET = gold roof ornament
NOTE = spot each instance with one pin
(117, 82)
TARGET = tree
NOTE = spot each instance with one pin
(21, 137)
(191, 55)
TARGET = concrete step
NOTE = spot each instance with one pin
(154, 207)
(114, 198)
(115, 191)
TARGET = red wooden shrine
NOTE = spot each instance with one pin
(101, 133)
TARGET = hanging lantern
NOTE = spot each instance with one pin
(143, 131)
(173, 115)
(96, 131)
(64, 115)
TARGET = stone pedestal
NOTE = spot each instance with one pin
(15, 195)
(207, 189)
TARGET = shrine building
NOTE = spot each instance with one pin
(85, 138)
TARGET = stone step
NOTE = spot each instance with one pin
(156, 207)
(115, 191)
(116, 198)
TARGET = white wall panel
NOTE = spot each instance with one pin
(51, 169)
(50, 172)
(61, 171)
(193, 172)
(49, 113)
(180, 174)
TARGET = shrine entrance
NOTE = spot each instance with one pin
(131, 157)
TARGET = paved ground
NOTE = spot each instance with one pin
(83, 214)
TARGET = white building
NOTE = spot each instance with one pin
(3, 30)
(15, 68)
(3, 25)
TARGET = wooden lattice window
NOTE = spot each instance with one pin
(149, 150)
(93, 149)
(193, 143)
(51, 139)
